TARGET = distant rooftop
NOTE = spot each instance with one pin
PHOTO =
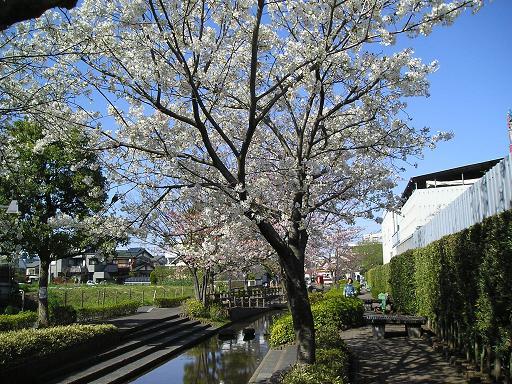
(466, 172)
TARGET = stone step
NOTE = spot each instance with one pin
(105, 367)
(164, 329)
(146, 328)
(135, 368)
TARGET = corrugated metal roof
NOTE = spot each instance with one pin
(471, 171)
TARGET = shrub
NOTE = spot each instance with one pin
(19, 321)
(63, 315)
(218, 312)
(312, 374)
(334, 293)
(164, 302)
(329, 316)
(96, 313)
(281, 331)
(194, 308)
(30, 343)
(331, 367)
(153, 278)
(340, 311)
(315, 297)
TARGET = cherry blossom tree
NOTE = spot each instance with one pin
(208, 241)
(329, 248)
(283, 111)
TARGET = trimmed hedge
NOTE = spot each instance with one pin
(378, 278)
(164, 302)
(19, 321)
(99, 313)
(34, 343)
(462, 283)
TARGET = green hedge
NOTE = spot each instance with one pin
(401, 273)
(19, 321)
(462, 283)
(33, 343)
(331, 313)
(378, 279)
(165, 302)
(99, 313)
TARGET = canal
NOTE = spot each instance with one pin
(216, 360)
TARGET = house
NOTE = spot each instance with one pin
(135, 262)
(424, 197)
(32, 271)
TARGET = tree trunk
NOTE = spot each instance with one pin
(291, 259)
(300, 309)
(195, 279)
(43, 319)
(18, 10)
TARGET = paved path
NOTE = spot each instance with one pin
(396, 359)
(274, 362)
(145, 316)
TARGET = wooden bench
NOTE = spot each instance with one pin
(378, 322)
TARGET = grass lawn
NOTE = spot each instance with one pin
(85, 296)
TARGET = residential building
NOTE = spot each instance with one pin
(134, 262)
(372, 237)
(423, 198)
(32, 271)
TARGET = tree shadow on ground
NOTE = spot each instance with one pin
(396, 359)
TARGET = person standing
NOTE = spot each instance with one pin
(349, 290)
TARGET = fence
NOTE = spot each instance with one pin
(81, 297)
(252, 297)
(490, 195)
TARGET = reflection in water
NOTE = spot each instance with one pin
(216, 361)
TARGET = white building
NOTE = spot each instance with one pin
(372, 237)
(424, 197)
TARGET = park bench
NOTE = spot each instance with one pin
(378, 322)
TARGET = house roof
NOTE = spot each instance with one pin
(132, 252)
(33, 264)
(466, 172)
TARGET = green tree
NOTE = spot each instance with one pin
(371, 255)
(58, 185)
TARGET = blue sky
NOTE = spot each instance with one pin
(470, 93)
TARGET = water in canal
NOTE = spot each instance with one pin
(216, 361)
